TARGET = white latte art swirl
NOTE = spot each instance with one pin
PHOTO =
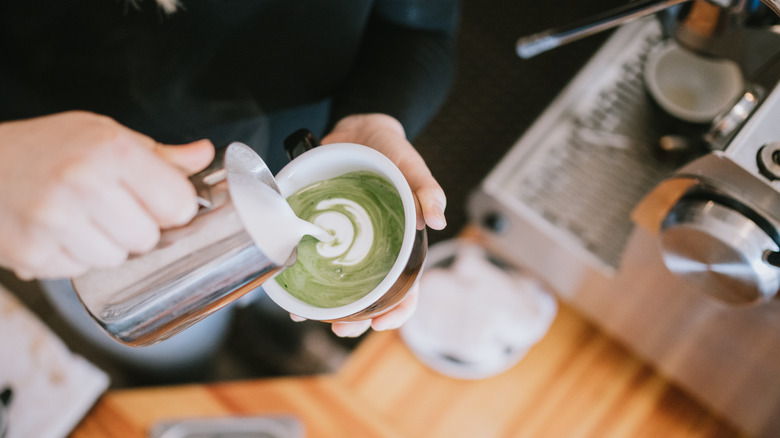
(351, 226)
(365, 214)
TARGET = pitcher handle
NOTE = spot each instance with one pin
(299, 142)
(211, 184)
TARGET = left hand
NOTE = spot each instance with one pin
(386, 134)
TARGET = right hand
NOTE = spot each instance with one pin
(80, 191)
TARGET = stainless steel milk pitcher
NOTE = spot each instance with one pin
(195, 269)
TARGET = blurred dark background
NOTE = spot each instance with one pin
(495, 98)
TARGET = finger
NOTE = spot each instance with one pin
(33, 246)
(62, 265)
(297, 318)
(432, 203)
(163, 190)
(88, 245)
(24, 275)
(56, 263)
(105, 202)
(400, 313)
(21, 251)
(190, 158)
(122, 218)
(11, 264)
(429, 194)
(350, 329)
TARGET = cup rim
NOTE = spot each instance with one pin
(293, 177)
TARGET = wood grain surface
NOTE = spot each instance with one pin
(575, 383)
(323, 404)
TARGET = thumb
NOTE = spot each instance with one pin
(432, 203)
(190, 158)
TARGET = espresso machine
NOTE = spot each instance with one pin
(664, 233)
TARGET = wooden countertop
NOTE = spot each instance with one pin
(575, 383)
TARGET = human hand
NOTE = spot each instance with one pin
(78, 190)
(386, 134)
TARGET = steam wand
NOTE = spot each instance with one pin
(532, 45)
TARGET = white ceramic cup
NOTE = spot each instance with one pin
(689, 86)
(333, 160)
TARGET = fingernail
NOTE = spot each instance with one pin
(351, 329)
(386, 324)
(438, 221)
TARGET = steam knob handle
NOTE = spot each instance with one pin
(723, 248)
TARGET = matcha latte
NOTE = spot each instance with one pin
(365, 214)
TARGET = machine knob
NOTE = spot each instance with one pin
(722, 248)
(768, 160)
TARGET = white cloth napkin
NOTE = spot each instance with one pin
(52, 388)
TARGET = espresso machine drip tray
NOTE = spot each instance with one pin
(591, 157)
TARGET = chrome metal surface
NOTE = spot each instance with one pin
(774, 5)
(532, 45)
(740, 30)
(227, 250)
(601, 132)
(720, 249)
(726, 125)
(230, 427)
(589, 251)
(194, 270)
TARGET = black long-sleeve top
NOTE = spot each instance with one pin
(214, 63)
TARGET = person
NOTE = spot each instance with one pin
(107, 106)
